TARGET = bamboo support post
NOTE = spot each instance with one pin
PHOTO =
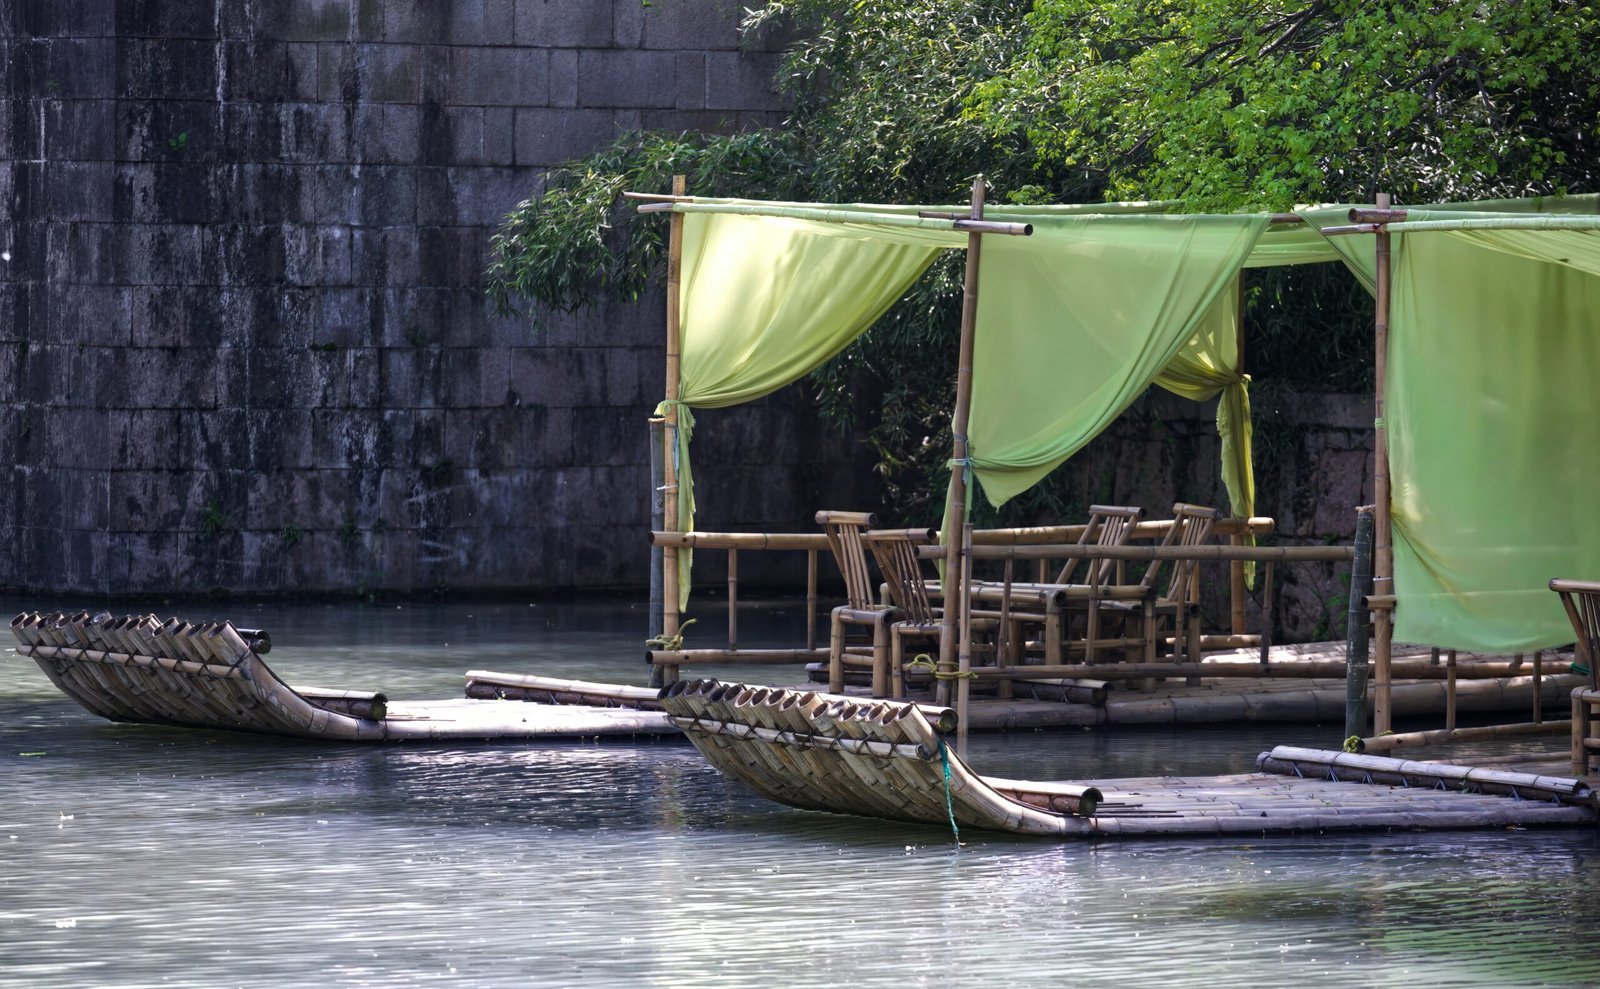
(1236, 581)
(1538, 686)
(657, 520)
(1268, 609)
(1450, 690)
(1383, 551)
(1419, 739)
(733, 599)
(811, 599)
(670, 618)
(953, 656)
(1355, 690)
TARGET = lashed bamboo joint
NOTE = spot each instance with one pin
(884, 759)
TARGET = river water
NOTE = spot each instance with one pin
(143, 856)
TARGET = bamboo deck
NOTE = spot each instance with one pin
(140, 669)
(885, 759)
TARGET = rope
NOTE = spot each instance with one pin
(923, 661)
(1353, 744)
(949, 805)
(669, 643)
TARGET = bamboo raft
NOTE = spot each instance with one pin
(886, 759)
(211, 675)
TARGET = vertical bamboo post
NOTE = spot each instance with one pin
(1356, 671)
(733, 599)
(952, 658)
(1538, 686)
(1450, 690)
(1383, 549)
(657, 431)
(669, 466)
(1236, 588)
(811, 599)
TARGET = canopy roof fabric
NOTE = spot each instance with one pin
(1493, 358)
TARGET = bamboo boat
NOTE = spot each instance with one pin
(886, 759)
(211, 675)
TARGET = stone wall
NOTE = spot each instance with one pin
(246, 345)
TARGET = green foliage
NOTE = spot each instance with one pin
(1229, 104)
(1224, 104)
(213, 521)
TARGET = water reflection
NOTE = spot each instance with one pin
(138, 856)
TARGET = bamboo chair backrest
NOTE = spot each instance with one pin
(844, 531)
(1581, 598)
(1191, 526)
(1109, 525)
(897, 560)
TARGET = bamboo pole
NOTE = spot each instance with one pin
(700, 657)
(1056, 537)
(1300, 554)
(1538, 683)
(953, 656)
(1355, 690)
(1236, 582)
(1418, 739)
(670, 617)
(811, 599)
(1383, 550)
(1450, 691)
(657, 520)
(733, 599)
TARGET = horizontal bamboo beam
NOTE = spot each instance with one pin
(1284, 669)
(1030, 535)
(824, 214)
(132, 659)
(610, 691)
(1444, 736)
(701, 657)
(1378, 602)
(658, 197)
(1371, 214)
(1053, 534)
(1207, 552)
(857, 746)
(1358, 228)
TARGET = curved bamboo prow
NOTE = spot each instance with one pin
(873, 758)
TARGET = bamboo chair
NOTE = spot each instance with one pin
(845, 531)
(1191, 526)
(1107, 525)
(907, 588)
(1581, 599)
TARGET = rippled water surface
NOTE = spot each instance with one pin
(141, 856)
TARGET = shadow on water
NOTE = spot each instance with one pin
(137, 856)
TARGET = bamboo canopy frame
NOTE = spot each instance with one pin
(1379, 221)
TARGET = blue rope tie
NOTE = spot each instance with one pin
(949, 806)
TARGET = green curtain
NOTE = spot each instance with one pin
(1208, 367)
(1494, 360)
(764, 300)
(1075, 322)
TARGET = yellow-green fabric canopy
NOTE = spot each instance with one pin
(1494, 358)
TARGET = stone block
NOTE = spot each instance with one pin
(564, 23)
(336, 74)
(436, 197)
(612, 437)
(499, 77)
(559, 378)
(348, 319)
(79, 130)
(173, 316)
(742, 81)
(79, 190)
(266, 193)
(253, 131)
(690, 75)
(80, 253)
(158, 254)
(87, 438)
(424, 22)
(626, 79)
(342, 439)
(167, 69)
(386, 196)
(61, 19)
(481, 22)
(68, 68)
(313, 133)
(548, 137)
(256, 71)
(303, 20)
(386, 73)
(302, 72)
(564, 77)
(246, 254)
(706, 25)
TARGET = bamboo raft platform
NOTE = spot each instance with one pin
(211, 675)
(885, 759)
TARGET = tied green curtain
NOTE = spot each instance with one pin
(1208, 367)
(1493, 402)
(1076, 321)
(764, 301)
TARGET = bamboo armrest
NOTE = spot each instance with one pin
(866, 616)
